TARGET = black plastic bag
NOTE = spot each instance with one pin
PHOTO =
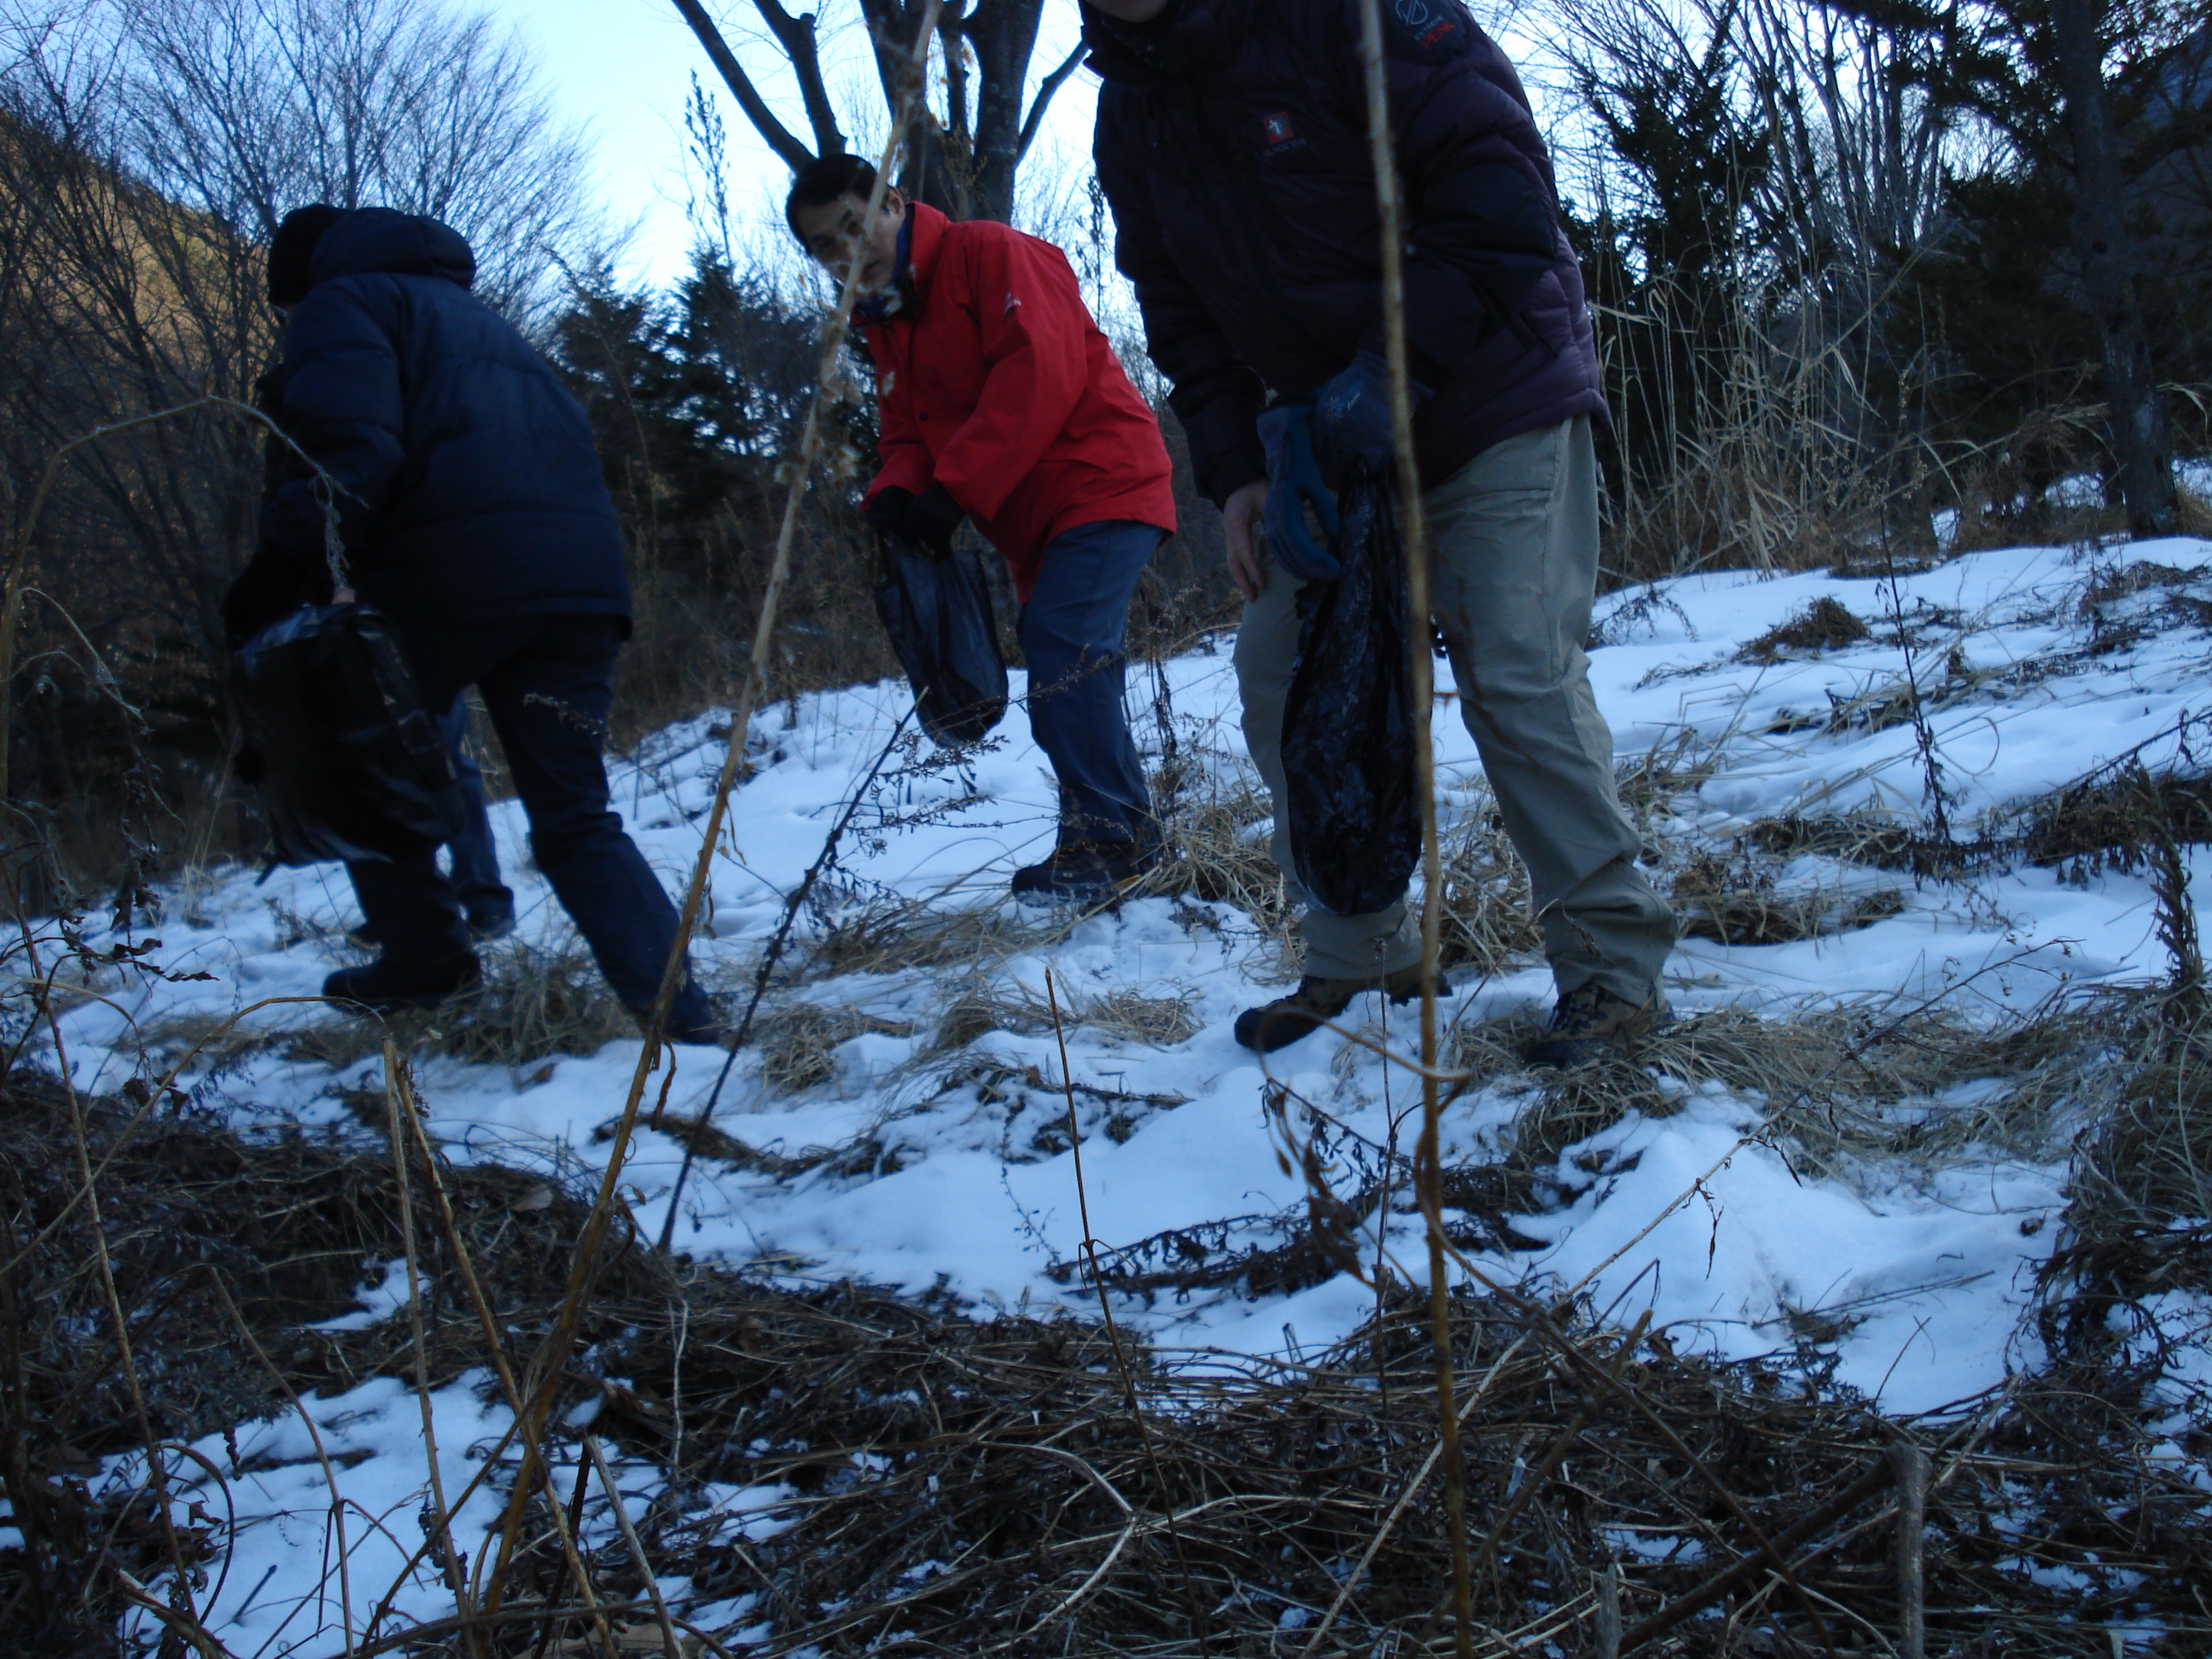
(354, 766)
(938, 613)
(1354, 817)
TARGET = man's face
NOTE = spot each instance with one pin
(840, 232)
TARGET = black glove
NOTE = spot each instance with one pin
(270, 586)
(925, 522)
(886, 509)
(930, 520)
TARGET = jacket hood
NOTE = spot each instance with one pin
(374, 239)
(1189, 39)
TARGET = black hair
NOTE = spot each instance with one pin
(821, 182)
(292, 250)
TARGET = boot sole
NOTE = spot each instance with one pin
(413, 1002)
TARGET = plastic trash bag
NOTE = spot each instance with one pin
(938, 613)
(355, 767)
(1354, 817)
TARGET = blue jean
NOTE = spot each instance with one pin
(547, 683)
(1071, 632)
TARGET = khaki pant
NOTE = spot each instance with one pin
(1513, 567)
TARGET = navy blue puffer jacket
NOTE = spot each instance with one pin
(1232, 145)
(471, 493)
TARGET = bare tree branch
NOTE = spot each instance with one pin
(796, 36)
(1051, 84)
(779, 137)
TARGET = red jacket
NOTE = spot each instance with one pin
(1003, 390)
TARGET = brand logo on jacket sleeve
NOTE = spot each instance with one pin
(1427, 33)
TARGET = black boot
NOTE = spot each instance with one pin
(1085, 872)
(383, 986)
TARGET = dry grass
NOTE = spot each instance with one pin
(1129, 1016)
(1845, 1083)
(896, 935)
(1215, 855)
(798, 1044)
(533, 1002)
(967, 1484)
(2143, 1164)
(1126, 1015)
(1486, 923)
(1825, 624)
(1733, 899)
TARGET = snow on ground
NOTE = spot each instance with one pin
(1915, 1273)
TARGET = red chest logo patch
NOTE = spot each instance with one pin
(1279, 133)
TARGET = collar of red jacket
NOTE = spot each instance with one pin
(923, 231)
(922, 249)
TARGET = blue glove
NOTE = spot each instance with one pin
(1294, 485)
(1352, 423)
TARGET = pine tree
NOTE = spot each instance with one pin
(2039, 291)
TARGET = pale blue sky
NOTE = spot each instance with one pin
(624, 67)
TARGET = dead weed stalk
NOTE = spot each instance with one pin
(1428, 1158)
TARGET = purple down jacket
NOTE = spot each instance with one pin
(1231, 144)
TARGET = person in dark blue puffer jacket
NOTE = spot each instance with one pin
(471, 510)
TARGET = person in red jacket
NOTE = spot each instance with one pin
(999, 400)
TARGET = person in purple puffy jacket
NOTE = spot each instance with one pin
(1231, 145)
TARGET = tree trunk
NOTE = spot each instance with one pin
(1004, 34)
(2139, 438)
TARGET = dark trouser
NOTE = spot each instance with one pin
(1071, 632)
(484, 898)
(548, 683)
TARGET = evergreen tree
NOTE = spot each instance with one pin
(2039, 290)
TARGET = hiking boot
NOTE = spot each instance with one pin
(493, 921)
(484, 926)
(383, 986)
(1279, 1024)
(1084, 872)
(1587, 1021)
(695, 1016)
